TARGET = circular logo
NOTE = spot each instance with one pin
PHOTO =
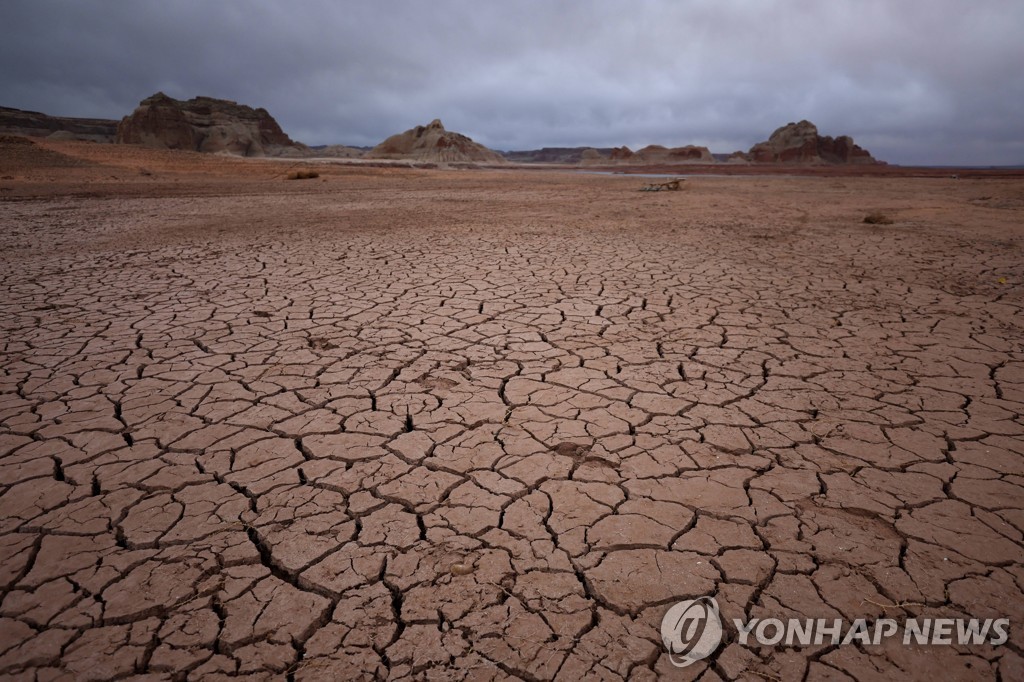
(691, 630)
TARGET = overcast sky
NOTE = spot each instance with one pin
(913, 81)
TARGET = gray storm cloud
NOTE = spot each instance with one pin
(914, 81)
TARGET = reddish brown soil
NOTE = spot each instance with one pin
(493, 424)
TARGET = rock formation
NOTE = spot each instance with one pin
(801, 143)
(560, 155)
(657, 155)
(433, 143)
(621, 154)
(35, 124)
(205, 124)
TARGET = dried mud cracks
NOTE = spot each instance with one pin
(411, 454)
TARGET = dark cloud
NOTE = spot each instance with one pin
(914, 81)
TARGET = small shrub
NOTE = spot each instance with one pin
(877, 218)
(303, 175)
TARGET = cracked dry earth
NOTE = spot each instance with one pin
(491, 425)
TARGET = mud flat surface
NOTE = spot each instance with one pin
(492, 425)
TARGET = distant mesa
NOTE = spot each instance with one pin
(657, 155)
(562, 155)
(801, 143)
(35, 124)
(337, 151)
(205, 124)
(434, 144)
(688, 154)
(622, 154)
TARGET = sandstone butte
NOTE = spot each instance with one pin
(205, 124)
(801, 143)
(433, 143)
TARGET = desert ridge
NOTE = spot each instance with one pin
(220, 126)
